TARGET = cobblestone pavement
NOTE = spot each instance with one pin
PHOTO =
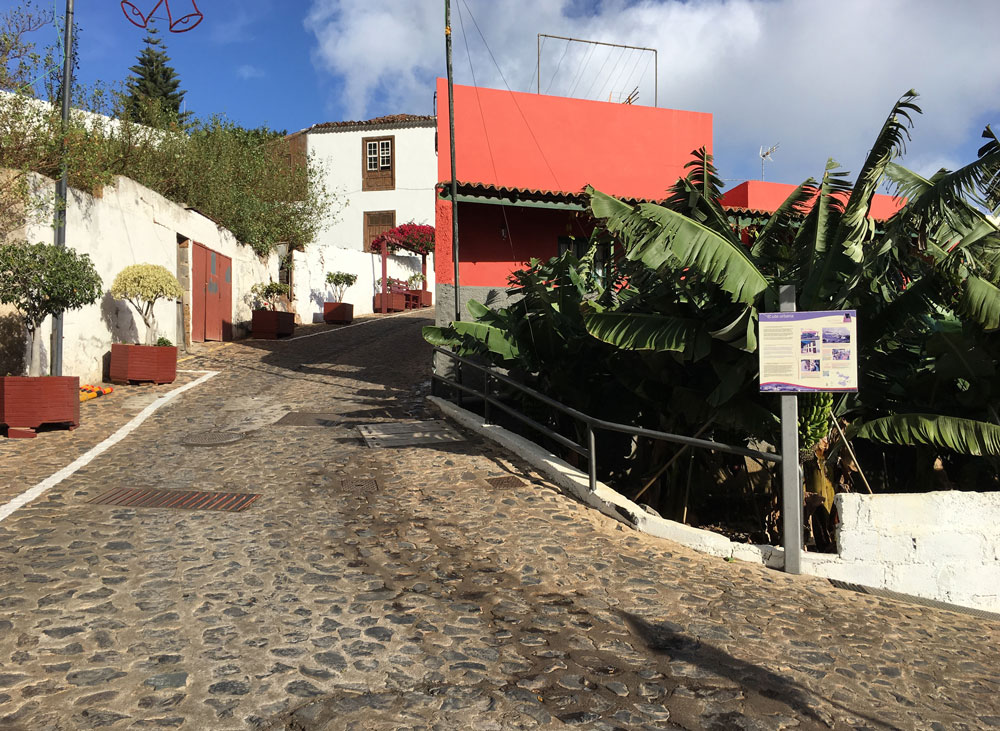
(424, 599)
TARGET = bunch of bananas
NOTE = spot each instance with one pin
(814, 418)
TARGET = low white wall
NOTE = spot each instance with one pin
(311, 266)
(940, 545)
(937, 545)
(131, 224)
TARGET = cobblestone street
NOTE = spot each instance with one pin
(425, 599)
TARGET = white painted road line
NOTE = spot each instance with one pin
(42, 487)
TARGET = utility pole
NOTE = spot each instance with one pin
(451, 138)
(791, 480)
(63, 184)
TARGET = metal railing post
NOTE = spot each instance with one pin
(592, 457)
(486, 396)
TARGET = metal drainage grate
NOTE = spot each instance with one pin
(211, 438)
(308, 418)
(409, 433)
(231, 502)
(505, 482)
(360, 485)
(909, 598)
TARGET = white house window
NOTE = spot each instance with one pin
(385, 154)
(372, 155)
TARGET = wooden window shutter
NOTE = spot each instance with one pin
(377, 222)
(378, 170)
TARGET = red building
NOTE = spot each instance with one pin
(523, 161)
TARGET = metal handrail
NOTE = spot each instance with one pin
(589, 451)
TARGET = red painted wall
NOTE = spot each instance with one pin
(493, 244)
(521, 140)
(761, 195)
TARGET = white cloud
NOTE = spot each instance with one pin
(818, 77)
(249, 71)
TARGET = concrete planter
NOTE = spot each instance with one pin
(338, 313)
(27, 403)
(143, 363)
(271, 325)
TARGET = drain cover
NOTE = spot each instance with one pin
(409, 433)
(505, 482)
(362, 485)
(308, 418)
(211, 438)
(232, 502)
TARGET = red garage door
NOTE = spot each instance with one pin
(212, 295)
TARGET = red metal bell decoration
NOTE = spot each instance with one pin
(178, 21)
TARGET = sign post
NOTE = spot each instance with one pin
(802, 352)
(791, 485)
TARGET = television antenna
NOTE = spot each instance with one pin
(766, 155)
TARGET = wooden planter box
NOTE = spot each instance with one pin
(28, 403)
(395, 302)
(271, 325)
(143, 363)
(338, 313)
(421, 296)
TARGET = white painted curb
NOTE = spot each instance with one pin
(608, 501)
(47, 484)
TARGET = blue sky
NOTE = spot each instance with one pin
(818, 77)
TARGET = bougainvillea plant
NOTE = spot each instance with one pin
(415, 237)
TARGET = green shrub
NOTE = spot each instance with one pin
(340, 281)
(42, 280)
(269, 293)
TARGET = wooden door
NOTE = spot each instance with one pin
(212, 295)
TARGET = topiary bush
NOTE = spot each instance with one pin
(142, 286)
(42, 280)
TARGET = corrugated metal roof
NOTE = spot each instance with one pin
(486, 190)
(389, 121)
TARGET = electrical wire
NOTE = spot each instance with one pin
(611, 76)
(638, 57)
(583, 66)
(600, 71)
(615, 84)
(558, 65)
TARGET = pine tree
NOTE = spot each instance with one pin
(154, 96)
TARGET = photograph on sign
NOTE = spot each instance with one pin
(808, 351)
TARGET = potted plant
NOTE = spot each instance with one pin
(268, 322)
(42, 280)
(142, 286)
(339, 311)
(418, 290)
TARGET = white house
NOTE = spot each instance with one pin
(384, 170)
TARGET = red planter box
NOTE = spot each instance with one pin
(421, 296)
(28, 403)
(338, 313)
(395, 302)
(156, 363)
(271, 325)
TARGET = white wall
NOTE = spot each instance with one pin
(340, 245)
(937, 545)
(131, 224)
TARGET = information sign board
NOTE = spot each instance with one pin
(808, 351)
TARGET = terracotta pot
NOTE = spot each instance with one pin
(139, 363)
(395, 302)
(421, 296)
(338, 313)
(27, 403)
(270, 325)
